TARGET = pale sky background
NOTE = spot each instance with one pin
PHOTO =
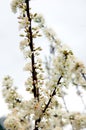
(66, 17)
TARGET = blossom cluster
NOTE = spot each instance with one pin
(44, 110)
(15, 4)
(11, 96)
(65, 61)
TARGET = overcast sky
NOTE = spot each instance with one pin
(66, 17)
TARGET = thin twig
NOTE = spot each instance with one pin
(64, 102)
(79, 94)
(53, 93)
(49, 101)
(83, 75)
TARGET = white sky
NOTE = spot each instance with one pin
(66, 17)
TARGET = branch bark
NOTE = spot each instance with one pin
(49, 101)
(34, 73)
(53, 93)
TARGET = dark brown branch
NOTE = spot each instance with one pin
(34, 73)
(53, 93)
(48, 103)
(83, 75)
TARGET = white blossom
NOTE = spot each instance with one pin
(7, 81)
(38, 18)
(28, 67)
(15, 4)
(23, 22)
(24, 43)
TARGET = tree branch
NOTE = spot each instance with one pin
(53, 93)
(83, 75)
(34, 73)
(48, 103)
